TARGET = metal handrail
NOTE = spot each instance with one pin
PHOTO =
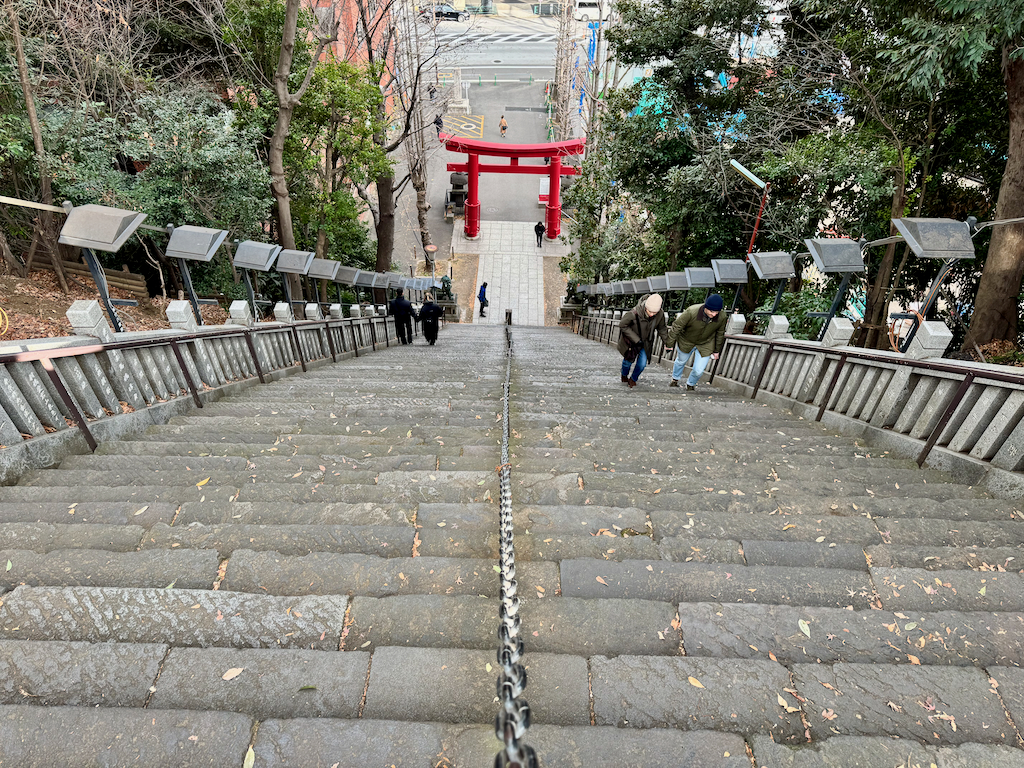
(46, 356)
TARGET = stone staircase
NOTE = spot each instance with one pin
(304, 575)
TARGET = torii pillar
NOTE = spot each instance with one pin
(554, 152)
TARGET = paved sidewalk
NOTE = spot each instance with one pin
(512, 266)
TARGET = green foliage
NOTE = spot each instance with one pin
(795, 307)
(180, 157)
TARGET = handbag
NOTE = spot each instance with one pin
(633, 351)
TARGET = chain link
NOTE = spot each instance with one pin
(514, 714)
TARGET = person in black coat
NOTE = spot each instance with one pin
(403, 313)
(539, 231)
(430, 314)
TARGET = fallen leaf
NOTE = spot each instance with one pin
(914, 660)
(602, 581)
(250, 758)
(488, 666)
(804, 627)
(140, 511)
(695, 682)
(308, 688)
(981, 591)
(820, 539)
(9, 565)
(201, 483)
(828, 714)
(232, 673)
(788, 526)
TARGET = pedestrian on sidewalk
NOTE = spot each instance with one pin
(430, 314)
(637, 330)
(401, 309)
(503, 126)
(482, 296)
(539, 230)
(439, 124)
(700, 331)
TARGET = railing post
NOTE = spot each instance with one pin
(764, 367)
(188, 376)
(330, 341)
(721, 357)
(373, 335)
(255, 357)
(298, 348)
(958, 396)
(831, 386)
(76, 414)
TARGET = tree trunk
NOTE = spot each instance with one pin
(419, 183)
(877, 304)
(385, 228)
(46, 223)
(996, 308)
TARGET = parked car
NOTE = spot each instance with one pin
(443, 12)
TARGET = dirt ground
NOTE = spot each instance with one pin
(34, 307)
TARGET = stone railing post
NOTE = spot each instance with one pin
(181, 318)
(123, 370)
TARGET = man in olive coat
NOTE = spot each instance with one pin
(700, 330)
(637, 329)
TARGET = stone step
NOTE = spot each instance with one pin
(176, 617)
(261, 513)
(746, 473)
(944, 638)
(290, 540)
(549, 624)
(859, 699)
(89, 513)
(322, 573)
(273, 464)
(157, 568)
(36, 737)
(306, 448)
(47, 537)
(214, 492)
(689, 462)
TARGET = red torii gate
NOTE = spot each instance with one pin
(474, 148)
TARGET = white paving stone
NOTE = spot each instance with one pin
(512, 266)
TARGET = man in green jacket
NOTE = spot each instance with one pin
(700, 330)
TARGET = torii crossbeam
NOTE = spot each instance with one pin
(554, 170)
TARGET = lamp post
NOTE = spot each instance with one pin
(764, 186)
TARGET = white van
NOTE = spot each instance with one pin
(593, 10)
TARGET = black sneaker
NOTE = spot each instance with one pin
(674, 383)
(690, 388)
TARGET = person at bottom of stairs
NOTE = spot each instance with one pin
(637, 329)
(482, 297)
(699, 329)
(430, 314)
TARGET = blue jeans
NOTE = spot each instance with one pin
(700, 364)
(641, 363)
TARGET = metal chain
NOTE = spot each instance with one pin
(514, 714)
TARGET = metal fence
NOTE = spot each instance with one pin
(54, 385)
